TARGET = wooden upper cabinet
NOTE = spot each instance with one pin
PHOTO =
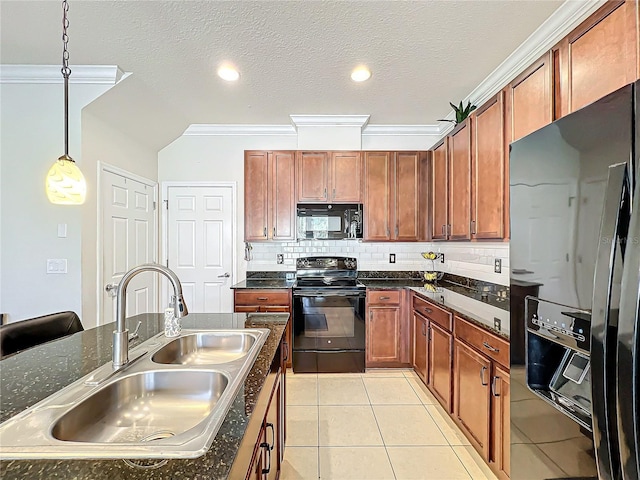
(488, 170)
(283, 202)
(377, 186)
(529, 100)
(326, 177)
(439, 192)
(345, 174)
(313, 176)
(599, 56)
(269, 196)
(460, 182)
(393, 196)
(256, 168)
(407, 196)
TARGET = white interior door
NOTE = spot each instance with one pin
(542, 238)
(129, 226)
(200, 247)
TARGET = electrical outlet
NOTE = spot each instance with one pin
(442, 258)
(497, 265)
(280, 258)
(56, 265)
(497, 323)
(392, 258)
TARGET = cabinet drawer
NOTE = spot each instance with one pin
(485, 342)
(433, 312)
(262, 297)
(383, 297)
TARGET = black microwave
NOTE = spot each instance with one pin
(329, 221)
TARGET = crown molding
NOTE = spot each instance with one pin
(329, 120)
(402, 130)
(88, 74)
(567, 17)
(211, 129)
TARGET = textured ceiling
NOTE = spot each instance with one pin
(295, 57)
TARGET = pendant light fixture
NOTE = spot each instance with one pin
(65, 183)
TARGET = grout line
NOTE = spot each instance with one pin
(464, 465)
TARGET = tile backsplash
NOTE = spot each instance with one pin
(469, 259)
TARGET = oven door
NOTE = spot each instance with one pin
(328, 330)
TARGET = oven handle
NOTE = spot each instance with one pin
(324, 293)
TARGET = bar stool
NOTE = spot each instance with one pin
(18, 336)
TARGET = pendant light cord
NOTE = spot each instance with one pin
(66, 72)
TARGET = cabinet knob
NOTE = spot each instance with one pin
(428, 310)
(472, 227)
(397, 231)
(334, 194)
(265, 232)
(385, 298)
(274, 232)
(325, 192)
(263, 298)
(442, 230)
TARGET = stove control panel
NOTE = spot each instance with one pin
(327, 263)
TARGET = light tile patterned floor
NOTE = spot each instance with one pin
(383, 424)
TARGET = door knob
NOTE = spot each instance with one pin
(224, 275)
(111, 289)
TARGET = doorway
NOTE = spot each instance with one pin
(200, 240)
(129, 238)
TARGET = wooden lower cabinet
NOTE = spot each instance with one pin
(419, 361)
(387, 329)
(500, 421)
(440, 364)
(266, 301)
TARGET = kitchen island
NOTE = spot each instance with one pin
(31, 376)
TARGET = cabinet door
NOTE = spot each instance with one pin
(440, 192)
(313, 176)
(346, 177)
(272, 433)
(488, 172)
(420, 346)
(255, 196)
(407, 197)
(282, 196)
(460, 182)
(530, 99)
(255, 468)
(383, 335)
(500, 420)
(440, 364)
(471, 405)
(599, 56)
(377, 184)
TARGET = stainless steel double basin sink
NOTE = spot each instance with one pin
(168, 403)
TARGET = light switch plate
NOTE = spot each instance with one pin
(497, 323)
(280, 258)
(392, 258)
(56, 265)
(62, 230)
(497, 265)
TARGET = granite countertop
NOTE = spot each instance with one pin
(467, 307)
(391, 283)
(262, 283)
(33, 375)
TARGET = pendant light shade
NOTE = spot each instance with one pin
(65, 183)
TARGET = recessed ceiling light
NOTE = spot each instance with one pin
(360, 74)
(228, 73)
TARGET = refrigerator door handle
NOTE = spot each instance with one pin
(628, 350)
(604, 428)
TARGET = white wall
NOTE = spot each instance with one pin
(31, 140)
(221, 158)
(105, 143)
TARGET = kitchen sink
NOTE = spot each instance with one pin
(168, 402)
(205, 348)
(142, 407)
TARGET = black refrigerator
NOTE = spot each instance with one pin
(575, 241)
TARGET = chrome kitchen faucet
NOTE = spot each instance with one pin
(121, 334)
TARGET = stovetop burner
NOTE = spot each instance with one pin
(327, 272)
